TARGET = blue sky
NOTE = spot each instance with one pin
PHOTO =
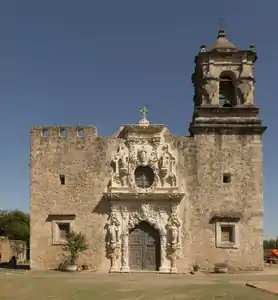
(97, 62)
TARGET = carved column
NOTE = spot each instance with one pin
(163, 244)
(125, 253)
(174, 228)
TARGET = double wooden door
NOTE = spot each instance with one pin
(144, 248)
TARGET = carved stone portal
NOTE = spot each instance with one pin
(141, 153)
(162, 217)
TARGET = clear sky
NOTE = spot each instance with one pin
(97, 62)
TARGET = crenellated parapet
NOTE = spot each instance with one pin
(48, 138)
(50, 132)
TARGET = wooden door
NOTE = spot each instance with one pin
(144, 248)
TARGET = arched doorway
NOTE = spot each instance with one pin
(144, 248)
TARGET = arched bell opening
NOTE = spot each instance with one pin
(227, 90)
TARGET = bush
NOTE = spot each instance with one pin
(76, 243)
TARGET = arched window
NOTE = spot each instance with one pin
(227, 90)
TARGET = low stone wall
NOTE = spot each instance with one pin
(10, 248)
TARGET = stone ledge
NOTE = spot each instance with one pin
(219, 111)
(227, 129)
(130, 196)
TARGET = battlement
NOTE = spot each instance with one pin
(63, 132)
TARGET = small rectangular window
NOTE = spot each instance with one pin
(226, 178)
(64, 229)
(227, 234)
(62, 179)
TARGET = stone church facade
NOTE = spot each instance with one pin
(151, 201)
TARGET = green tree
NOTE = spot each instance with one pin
(269, 244)
(15, 225)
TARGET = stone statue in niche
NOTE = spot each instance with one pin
(143, 156)
(175, 246)
(166, 164)
(121, 161)
(246, 91)
(174, 228)
(113, 240)
(113, 229)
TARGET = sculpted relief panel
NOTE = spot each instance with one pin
(163, 218)
(157, 166)
(143, 188)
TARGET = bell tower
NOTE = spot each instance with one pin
(227, 133)
(224, 88)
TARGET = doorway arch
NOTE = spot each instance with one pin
(144, 248)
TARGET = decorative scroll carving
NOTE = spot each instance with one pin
(144, 152)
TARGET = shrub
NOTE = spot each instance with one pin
(76, 243)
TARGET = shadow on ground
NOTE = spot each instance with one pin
(12, 264)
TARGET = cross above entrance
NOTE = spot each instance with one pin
(144, 113)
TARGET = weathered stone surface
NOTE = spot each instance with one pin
(187, 201)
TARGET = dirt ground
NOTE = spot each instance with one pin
(29, 285)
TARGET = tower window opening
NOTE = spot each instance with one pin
(227, 91)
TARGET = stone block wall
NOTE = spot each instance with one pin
(239, 156)
(84, 162)
(203, 159)
(10, 248)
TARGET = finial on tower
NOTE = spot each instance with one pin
(222, 29)
(222, 43)
(144, 113)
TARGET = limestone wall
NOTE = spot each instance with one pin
(84, 161)
(241, 157)
(202, 161)
(10, 248)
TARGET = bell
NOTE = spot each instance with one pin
(227, 103)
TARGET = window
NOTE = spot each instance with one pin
(227, 91)
(61, 225)
(64, 229)
(226, 178)
(144, 177)
(227, 235)
(62, 179)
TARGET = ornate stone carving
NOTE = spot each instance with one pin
(246, 71)
(142, 156)
(173, 227)
(246, 91)
(166, 167)
(113, 239)
(144, 152)
(210, 92)
(125, 263)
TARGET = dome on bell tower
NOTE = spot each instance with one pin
(222, 43)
